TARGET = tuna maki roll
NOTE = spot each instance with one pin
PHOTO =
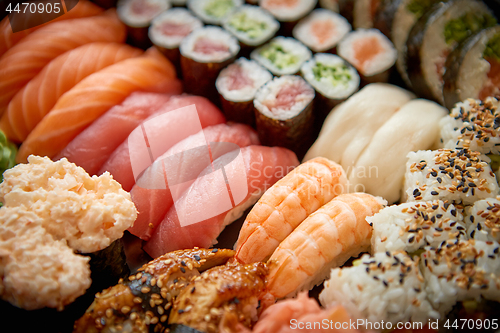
(288, 12)
(237, 85)
(282, 55)
(321, 30)
(435, 36)
(213, 11)
(472, 69)
(483, 220)
(284, 113)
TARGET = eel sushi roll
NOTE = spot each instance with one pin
(288, 12)
(460, 176)
(282, 55)
(252, 25)
(370, 52)
(213, 11)
(334, 80)
(435, 35)
(386, 287)
(321, 30)
(169, 29)
(204, 53)
(137, 16)
(237, 85)
(462, 271)
(472, 69)
(411, 226)
(284, 113)
(483, 220)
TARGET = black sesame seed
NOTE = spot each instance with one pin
(176, 280)
(180, 311)
(183, 263)
(434, 174)
(375, 277)
(496, 250)
(183, 270)
(411, 239)
(439, 216)
(385, 283)
(434, 193)
(439, 180)
(197, 257)
(438, 229)
(236, 300)
(491, 256)
(387, 253)
(465, 189)
(479, 226)
(473, 233)
(435, 262)
(192, 290)
(453, 212)
(215, 250)
(415, 191)
(368, 269)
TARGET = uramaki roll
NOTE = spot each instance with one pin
(284, 114)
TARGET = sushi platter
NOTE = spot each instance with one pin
(250, 166)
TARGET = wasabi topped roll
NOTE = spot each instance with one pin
(282, 55)
(213, 11)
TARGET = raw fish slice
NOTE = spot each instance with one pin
(39, 96)
(93, 96)
(326, 239)
(151, 194)
(119, 163)
(8, 38)
(263, 166)
(28, 57)
(110, 130)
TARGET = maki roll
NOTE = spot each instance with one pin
(288, 12)
(334, 80)
(237, 85)
(472, 68)
(137, 16)
(204, 53)
(435, 36)
(456, 175)
(483, 220)
(284, 113)
(213, 11)
(169, 29)
(282, 55)
(321, 30)
(252, 25)
(370, 52)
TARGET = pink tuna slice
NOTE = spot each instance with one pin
(152, 194)
(207, 45)
(175, 29)
(144, 8)
(286, 97)
(219, 191)
(169, 125)
(237, 78)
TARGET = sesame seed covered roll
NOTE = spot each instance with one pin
(483, 220)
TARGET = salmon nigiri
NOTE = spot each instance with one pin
(206, 207)
(286, 204)
(111, 129)
(326, 239)
(28, 57)
(8, 38)
(175, 123)
(151, 194)
(37, 98)
(93, 96)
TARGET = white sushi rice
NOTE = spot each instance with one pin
(213, 11)
(178, 16)
(305, 31)
(282, 55)
(483, 220)
(245, 22)
(461, 270)
(460, 176)
(214, 34)
(343, 81)
(474, 125)
(413, 225)
(252, 71)
(267, 95)
(288, 11)
(126, 10)
(379, 62)
(386, 286)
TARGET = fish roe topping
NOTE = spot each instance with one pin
(484, 219)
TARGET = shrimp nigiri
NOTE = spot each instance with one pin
(326, 239)
(286, 204)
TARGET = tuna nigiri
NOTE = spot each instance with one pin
(93, 96)
(28, 57)
(184, 226)
(37, 98)
(111, 129)
(151, 194)
(286, 204)
(8, 38)
(119, 163)
(326, 239)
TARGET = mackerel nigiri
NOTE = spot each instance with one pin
(28, 57)
(39, 96)
(152, 194)
(206, 207)
(93, 96)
